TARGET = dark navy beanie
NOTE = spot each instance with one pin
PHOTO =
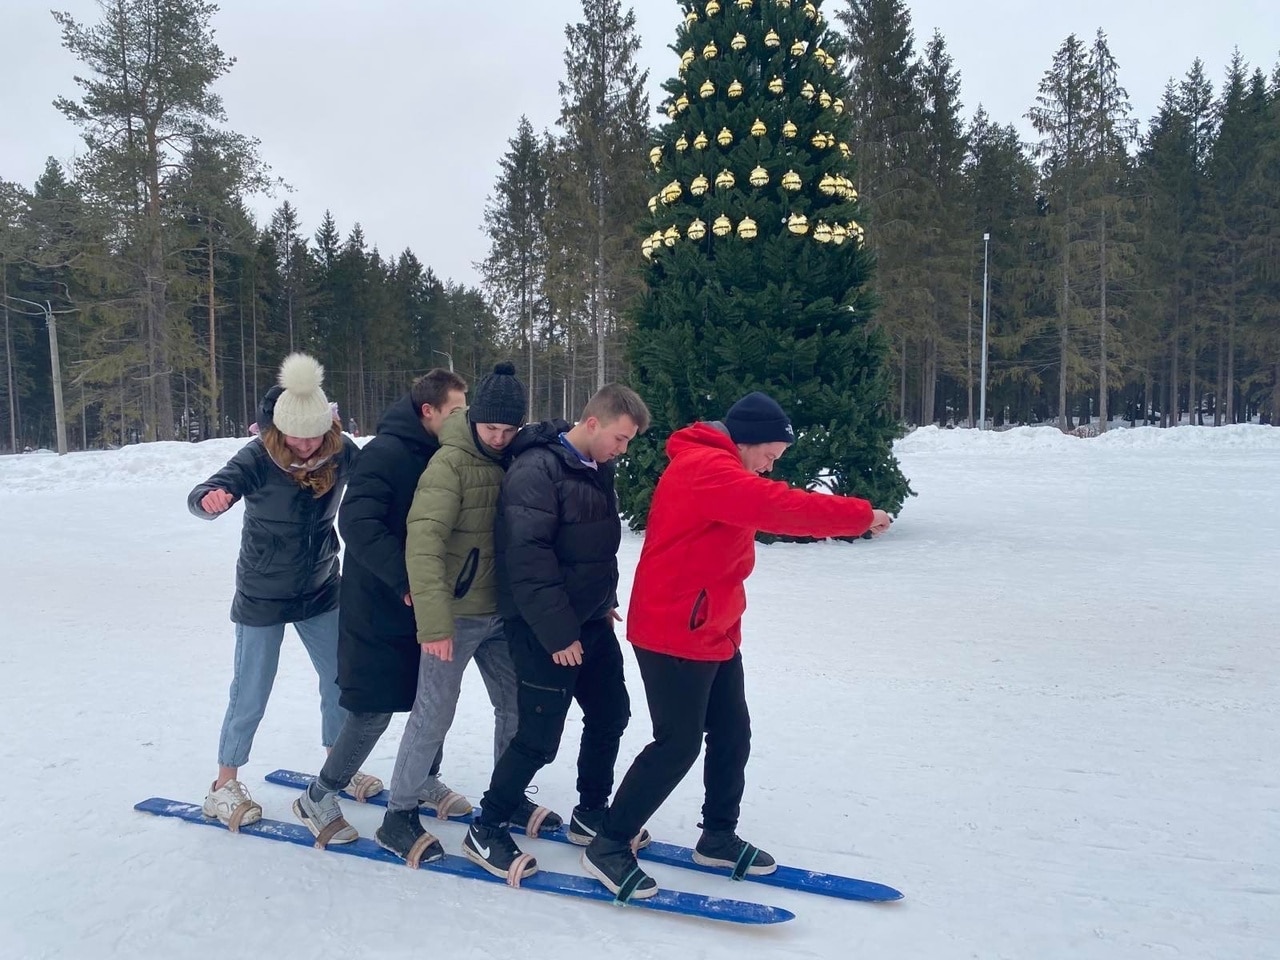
(500, 398)
(757, 418)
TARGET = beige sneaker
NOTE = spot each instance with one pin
(231, 804)
(364, 785)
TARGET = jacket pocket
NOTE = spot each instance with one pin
(467, 575)
(699, 614)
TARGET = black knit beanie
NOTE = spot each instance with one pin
(500, 398)
(757, 418)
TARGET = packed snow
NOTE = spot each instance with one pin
(1044, 706)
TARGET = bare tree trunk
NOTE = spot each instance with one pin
(902, 388)
(599, 293)
(1175, 400)
(1231, 368)
(1064, 412)
(8, 360)
(253, 324)
(929, 386)
(1103, 414)
(244, 387)
(1193, 400)
(215, 427)
(1217, 393)
(159, 375)
(969, 359)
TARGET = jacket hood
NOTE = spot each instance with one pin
(401, 420)
(543, 434)
(700, 435)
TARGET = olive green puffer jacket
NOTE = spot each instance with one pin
(449, 547)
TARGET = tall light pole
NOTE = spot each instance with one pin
(982, 394)
(59, 411)
(447, 356)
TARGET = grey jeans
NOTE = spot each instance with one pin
(439, 684)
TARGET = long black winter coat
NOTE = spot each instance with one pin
(288, 565)
(377, 639)
(557, 537)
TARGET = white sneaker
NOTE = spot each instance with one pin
(364, 785)
(442, 802)
(324, 819)
(231, 804)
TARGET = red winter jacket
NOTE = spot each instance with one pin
(699, 546)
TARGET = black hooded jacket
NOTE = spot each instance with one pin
(377, 643)
(557, 537)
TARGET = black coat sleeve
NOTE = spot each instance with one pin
(241, 476)
(530, 524)
(362, 520)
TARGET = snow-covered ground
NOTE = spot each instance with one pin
(1045, 706)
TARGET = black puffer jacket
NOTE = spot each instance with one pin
(557, 537)
(288, 565)
(377, 639)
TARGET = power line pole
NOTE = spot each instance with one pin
(55, 366)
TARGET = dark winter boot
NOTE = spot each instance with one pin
(724, 848)
(613, 864)
(402, 833)
(493, 849)
(586, 822)
(533, 819)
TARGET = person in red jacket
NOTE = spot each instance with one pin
(685, 623)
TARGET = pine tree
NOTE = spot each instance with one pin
(758, 276)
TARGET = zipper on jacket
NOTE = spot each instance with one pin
(467, 574)
(698, 606)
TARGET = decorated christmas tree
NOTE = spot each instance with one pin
(756, 270)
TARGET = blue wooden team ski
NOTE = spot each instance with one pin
(788, 878)
(666, 901)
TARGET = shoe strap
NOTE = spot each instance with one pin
(745, 859)
(629, 884)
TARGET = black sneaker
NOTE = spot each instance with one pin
(724, 848)
(586, 822)
(402, 833)
(525, 814)
(493, 849)
(613, 864)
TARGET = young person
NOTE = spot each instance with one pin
(377, 643)
(450, 555)
(685, 623)
(290, 478)
(557, 534)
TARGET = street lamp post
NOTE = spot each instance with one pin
(59, 411)
(447, 356)
(982, 394)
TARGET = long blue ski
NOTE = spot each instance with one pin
(666, 901)
(788, 878)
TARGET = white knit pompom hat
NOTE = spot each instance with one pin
(303, 409)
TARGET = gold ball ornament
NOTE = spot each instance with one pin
(775, 85)
(671, 192)
(691, 18)
(655, 156)
(697, 230)
(839, 234)
(686, 60)
(789, 130)
(682, 145)
(725, 180)
(735, 89)
(822, 233)
(699, 185)
(707, 90)
(798, 224)
(791, 181)
(810, 11)
(828, 59)
(671, 236)
(845, 151)
(824, 99)
(759, 177)
(743, 4)
(758, 129)
(855, 230)
(798, 48)
(807, 91)
(837, 105)
(710, 51)
(739, 41)
(724, 137)
(819, 140)
(682, 103)
(747, 229)
(672, 112)
(722, 226)
(700, 141)
(646, 247)
(771, 39)
(653, 204)
(827, 185)
(712, 8)
(783, 3)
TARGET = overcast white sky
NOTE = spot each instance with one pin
(395, 112)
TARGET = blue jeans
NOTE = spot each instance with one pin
(257, 657)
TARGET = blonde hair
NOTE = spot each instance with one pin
(318, 474)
